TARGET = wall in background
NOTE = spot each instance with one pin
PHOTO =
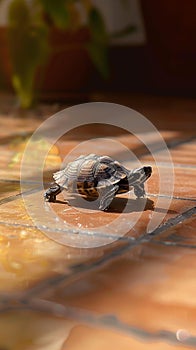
(165, 62)
(3, 12)
(119, 14)
(159, 57)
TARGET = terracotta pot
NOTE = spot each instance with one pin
(68, 67)
(5, 63)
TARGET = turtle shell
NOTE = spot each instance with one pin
(89, 172)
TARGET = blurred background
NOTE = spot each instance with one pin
(68, 49)
(139, 53)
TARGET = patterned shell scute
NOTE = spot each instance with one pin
(90, 171)
(109, 170)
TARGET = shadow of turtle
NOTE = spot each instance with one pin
(128, 205)
(118, 205)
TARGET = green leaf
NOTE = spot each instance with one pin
(18, 13)
(98, 46)
(99, 56)
(58, 12)
(97, 27)
(28, 48)
(25, 93)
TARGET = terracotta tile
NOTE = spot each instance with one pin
(33, 330)
(148, 286)
(20, 237)
(130, 216)
(82, 337)
(79, 219)
(29, 257)
(181, 234)
(182, 154)
(147, 280)
(182, 179)
(167, 113)
(13, 210)
(9, 189)
(44, 331)
(16, 156)
(119, 144)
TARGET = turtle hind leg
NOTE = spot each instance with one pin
(52, 192)
(139, 190)
(106, 196)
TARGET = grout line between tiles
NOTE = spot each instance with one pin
(173, 222)
(171, 197)
(19, 195)
(174, 244)
(174, 143)
(125, 239)
(93, 319)
(34, 190)
(78, 270)
(69, 230)
(170, 145)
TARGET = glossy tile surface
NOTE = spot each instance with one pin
(73, 277)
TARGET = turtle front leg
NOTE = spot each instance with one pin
(52, 192)
(106, 196)
(139, 190)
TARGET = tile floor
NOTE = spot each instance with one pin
(72, 277)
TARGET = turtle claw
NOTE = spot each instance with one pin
(51, 193)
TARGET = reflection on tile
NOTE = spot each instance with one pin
(148, 280)
(140, 287)
(29, 330)
(181, 154)
(181, 234)
(27, 257)
(179, 182)
(83, 337)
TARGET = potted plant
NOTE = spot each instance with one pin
(45, 38)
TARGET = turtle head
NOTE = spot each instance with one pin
(139, 176)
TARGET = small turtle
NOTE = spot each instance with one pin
(98, 176)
